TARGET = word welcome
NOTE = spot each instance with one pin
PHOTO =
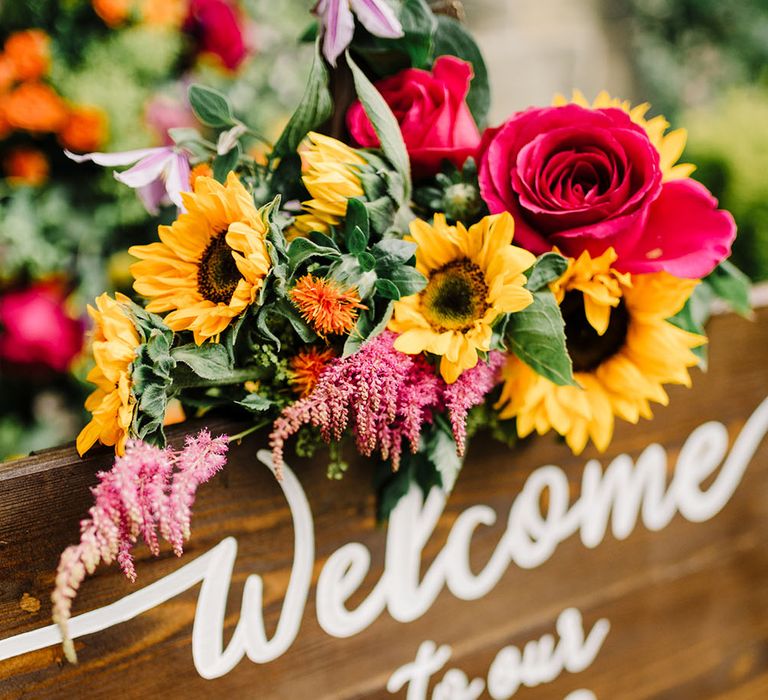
(620, 494)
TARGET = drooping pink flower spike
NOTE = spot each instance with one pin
(146, 490)
(338, 25)
(159, 175)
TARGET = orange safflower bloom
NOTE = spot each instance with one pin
(200, 170)
(325, 306)
(113, 12)
(85, 129)
(35, 107)
(26, 166)
(29, 53)
(306, 368)
(169, 13)
(7, 73)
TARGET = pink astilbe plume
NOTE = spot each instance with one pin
(147, 489)
(468, 391)
(387, 397)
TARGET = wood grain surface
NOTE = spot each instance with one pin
(687, 604)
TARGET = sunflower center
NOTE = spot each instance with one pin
(455, 296)
(217, 275)
(587, 349)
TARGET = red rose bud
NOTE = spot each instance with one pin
(589, 179)
(216, 26)
(432, 111)
(36, 331)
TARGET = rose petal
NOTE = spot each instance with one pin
(686, 234)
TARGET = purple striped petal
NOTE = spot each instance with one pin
(177, 179)
(338, 27)
(378, 18)
(146, 170)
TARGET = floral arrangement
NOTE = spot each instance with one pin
(393, 276)
(89, 76)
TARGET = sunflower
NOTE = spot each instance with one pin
(329, 172)
(328, 308)
(112, 404)
(211, 262)
(623, 350)
(473, 277)
(670, 145)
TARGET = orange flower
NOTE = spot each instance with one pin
(85, 129)
(29, 53)
(35, 107)
(325, 306)
(7, 73)
(306, 368)
(169, 13)
(26, 166)
(200, 170)
(113, 12)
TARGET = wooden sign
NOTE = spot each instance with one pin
(642, 573)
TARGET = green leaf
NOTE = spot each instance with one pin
(255, 403)
(367, 327)
(419, 26)
(384, 123)
(694, 316)
(367, 261)
(209, 361)
(441, 451)
(315, 107)
(548, 268)
(452, 39)
(393, 251)
(387, 289)
(356, 241)
(732, 286)
(357, 217)
(223, 165)
(301, 250)
(537, 336)
(211, 107)
(407, 279)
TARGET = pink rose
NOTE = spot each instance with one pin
(216, 26)
(589, 179)
(36, 331)
(432, 111)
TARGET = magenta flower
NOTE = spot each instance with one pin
(338, 26)
(36, 331)
(159, 175)
(387, 397)
(147, 489)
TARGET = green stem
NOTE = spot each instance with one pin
(186, 379)
(245, 433)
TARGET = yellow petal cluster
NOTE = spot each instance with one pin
(112, 404)
(330, 174)
(670, 145)
(209, 264)
(473, 276)
(653, 353)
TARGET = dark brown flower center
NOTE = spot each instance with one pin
(455, 296)
(217, 274)
(587, 349)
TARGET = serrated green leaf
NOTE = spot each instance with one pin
(384, 123)
(548, 268)
(537, 336)
(732, 286)
(223, 165)
(452, 39)
(209, 361)
(211, 107)
(315, 107)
